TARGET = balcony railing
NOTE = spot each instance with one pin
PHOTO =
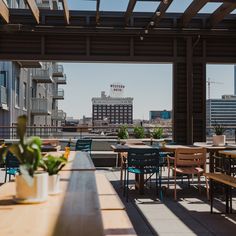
(42, 75)
(58, 94)
(58, 115)
(60, 80)
(3, 97)
(40, 106)
(58, 71)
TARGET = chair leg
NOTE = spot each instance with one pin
(207, 188)
(5, 176)
(211, 194)
(127, 186)
(175, 192)
(160, 180)
(168, 182)
(124, 187)
(199, 185)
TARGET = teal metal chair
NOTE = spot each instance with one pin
(11, 166)
(140, 162)
(83, 145)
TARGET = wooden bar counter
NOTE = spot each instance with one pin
(86, 206)
(76, 211)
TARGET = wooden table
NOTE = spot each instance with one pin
(139, 178)
(69, 213)
(212, 150)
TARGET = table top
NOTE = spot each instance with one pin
(228, 153)
(210, 146)
(68, 213)
(127, 147)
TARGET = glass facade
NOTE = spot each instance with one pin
(221, 111)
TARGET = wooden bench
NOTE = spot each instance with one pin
(114, 216)
(228, 181)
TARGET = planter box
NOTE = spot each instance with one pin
(35, 193)
(219, 140)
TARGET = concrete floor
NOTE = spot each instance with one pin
(190, 215)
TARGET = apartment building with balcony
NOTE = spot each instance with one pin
(31, 91)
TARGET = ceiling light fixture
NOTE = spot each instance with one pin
(146, 31)
(152, 23)
(141, 37)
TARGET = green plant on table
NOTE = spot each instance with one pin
(123, 132)
(53, 164)
(157, 132)
(139, 132)
(218, 129)
(27, 151)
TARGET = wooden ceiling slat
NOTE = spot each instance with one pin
(192, 10)
(129, 10)
(34, 9)
(4, 11)
(66, 11)
(220, 13)
(161, 10)
(97, 12)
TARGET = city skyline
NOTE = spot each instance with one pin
(149, 84)
(156, 94)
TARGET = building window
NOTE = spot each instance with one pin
(24, 95)
(17, 91)
(3, 78)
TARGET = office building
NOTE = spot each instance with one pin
(155, 115)
(221, 111)
(113, 109)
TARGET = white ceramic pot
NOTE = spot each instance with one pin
(36, 192)
(54, 184)
(219, 140)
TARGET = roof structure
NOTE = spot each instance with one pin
(155, 19)
(189, 39)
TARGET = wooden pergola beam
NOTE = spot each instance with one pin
(129, 10)
(66, 11)
(220, 13)
(97, 11)
(4, 11)
(161, 10)
(34, 9)
(192, 10)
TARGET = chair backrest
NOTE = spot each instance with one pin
(11, 161)
(190, 157)
(143, 158)
(83, 145)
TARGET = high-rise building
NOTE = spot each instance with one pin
(221, 111)
(164, 114)
(112, 109)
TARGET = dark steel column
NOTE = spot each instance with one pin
(189, 71)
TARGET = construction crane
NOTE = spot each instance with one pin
(209, 82)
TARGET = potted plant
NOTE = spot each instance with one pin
(219, 137)
(157, 132)
(31, 184)
(53, 164)
(139, 132)
(123, 132)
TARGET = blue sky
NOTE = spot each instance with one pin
(149, 84)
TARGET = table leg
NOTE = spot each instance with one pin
(211, 164)
(139, 183)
